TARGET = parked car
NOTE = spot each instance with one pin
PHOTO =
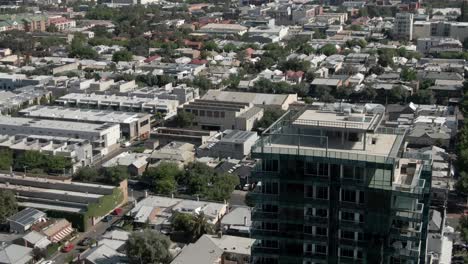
(86, 242)
(68, 248)
(108, 218)
(117, 211)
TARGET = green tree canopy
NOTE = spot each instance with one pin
(123, 55)
(6, 159)
(149, 247)
(328, 49)
(88, 174)
(115, 175)
(164, 177)
(269, 117)
(184, 119)
(9, 205)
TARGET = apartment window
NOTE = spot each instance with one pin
(320, 212)
(321, 231)
(222, 114)
(308, 229)
(359, 254)
(361, 197)
(322, 192)
(309, 191)
(308, 248)
(320, 249)
(195, 112)
(346, 252)
(270, 187)
(270, 165)
(348, 195)
(347, 216)
(317, 169)
(144, 123)
(347, 234)
(216, 114)
(270, 243)
(209, 113)
(271, 208)
(202, 112)
(360, 236)
(270, 226)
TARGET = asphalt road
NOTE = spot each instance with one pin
(95, 232)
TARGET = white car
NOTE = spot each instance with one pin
(246, 187)
(48, 262)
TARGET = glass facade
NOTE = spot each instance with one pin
(317, 204)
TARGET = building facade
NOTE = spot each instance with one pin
(403, 26)
(335, 188)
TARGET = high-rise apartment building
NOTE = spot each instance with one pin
(403, 26)
(335, 187)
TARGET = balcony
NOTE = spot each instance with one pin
(412, 216)
(260, 197)
(259, 215)
(275, 234)
(315, 219)
(352, 225)
(352, 242)
(315, 238)
(260, 250)
(405, 234)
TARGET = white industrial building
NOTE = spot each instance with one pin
(103, 137)
(120, 103)
(132, 125)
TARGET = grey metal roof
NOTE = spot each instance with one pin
(27, 216)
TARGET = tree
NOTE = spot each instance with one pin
(204, 181)
(328, 49)
(270, 115)
(57, 163)
(6, 159)
(79, 49)
(52, 28)
(294, 65)
(423, 97)
(182, 222)
(210, 45)
(88, 174)
(122, 55)
(9, 205)
(408, 74)
(163, 177)
(203, 83)
(115, 175)
(149, 247)
(184, 119)
(30, 159)
(200, 226)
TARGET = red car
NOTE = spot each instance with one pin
(117, 211)
(68, 248)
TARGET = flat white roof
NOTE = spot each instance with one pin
(52, 124)
(78, 114)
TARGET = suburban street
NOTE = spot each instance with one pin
(95, 232)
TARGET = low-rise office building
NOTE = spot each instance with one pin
(281, 101)
(132, 125)
(220, 115)
(83, 204)
(425, 29)
(234, 144)
(120, 103)
(78, 151)
(103, 137)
